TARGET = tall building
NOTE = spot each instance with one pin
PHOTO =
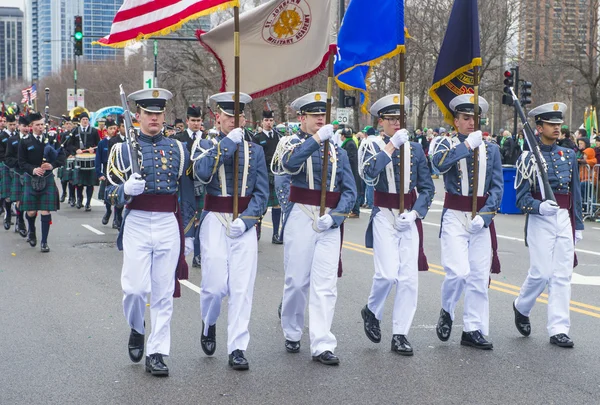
(51, 28)
(557, 29)
(12, 51)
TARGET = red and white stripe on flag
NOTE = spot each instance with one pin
(140, 19)
(29, 93)
(294, 32)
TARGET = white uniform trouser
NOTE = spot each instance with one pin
(150, 254)
(228, 268)
(466, 259)
(310, 260)
(551, 250)
(396, 256)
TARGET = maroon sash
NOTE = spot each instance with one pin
(391, 201)
(464, 204)
(166, 203)
(224, 205)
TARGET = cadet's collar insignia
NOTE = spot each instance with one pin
(556, 107)
(317, 97)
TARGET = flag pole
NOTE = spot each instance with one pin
(476, 150)
(402, 125)
(325, 167)
(236, 107)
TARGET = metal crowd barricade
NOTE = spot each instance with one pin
(590, 193)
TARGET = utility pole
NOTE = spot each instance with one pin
(341, 94)
(155, 63)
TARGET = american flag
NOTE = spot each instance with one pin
(33, 91)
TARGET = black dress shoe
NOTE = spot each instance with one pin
(276, 241)
(209, 343)
(237, 361)
(79, 204)
(371, 325)
(522, 322)
(88, 208)
(32, 240)
(72, 203)
(291, 346)
(475, 339)
(327, 358)
(444, 326)
(196, 262)
(116, 224)
(156, 366)
(6, 224)
(106, 217)
(63, 197)
(561, 340)
(22, 229)
(44, 247)
(136, 346)
(401, 345)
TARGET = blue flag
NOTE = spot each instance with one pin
(458, 55)
(369, 33)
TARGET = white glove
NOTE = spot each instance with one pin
(404, 221)
(476, 224)
(578, 236)
(548, 208)
(134, 185)
(237, 228)
(236, 135)
(189, 245)
(324, 223)
(325, 133)
(474, 139)
(399, 138)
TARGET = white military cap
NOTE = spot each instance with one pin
(552, 113)
(465, 104)
(151, 100)
(225, 102)
(388, 105)
(311, 103)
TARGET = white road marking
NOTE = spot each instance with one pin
(585, 280)
(92, 229)
(189, 285)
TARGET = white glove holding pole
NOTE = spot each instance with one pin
(325, 133)
(324, 223)
(476, 224)
(548, 208)
(236, 135)
(474, 139)
(578, 236)
(399, 138)
(237, 228)
(189, 245)
(405, 220)
(134, 185)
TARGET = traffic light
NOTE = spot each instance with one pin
(78, 36)
(525, 93)
(509, 81)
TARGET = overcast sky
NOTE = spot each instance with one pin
(12, 3)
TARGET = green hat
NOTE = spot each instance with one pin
(335, 122)
(367, 128)
(564, 127)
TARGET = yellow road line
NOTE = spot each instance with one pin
(496, 285)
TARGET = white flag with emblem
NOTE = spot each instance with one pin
(282, 43)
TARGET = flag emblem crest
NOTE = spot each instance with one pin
(288, 23)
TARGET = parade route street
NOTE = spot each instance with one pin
(64, 337)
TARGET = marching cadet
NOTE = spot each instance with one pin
(552, 228)
(84, 139)
(269, 138)
(396, 238)
(118, 138)
(37, 159)
(152, 232)
(5, 177)
(312, 242)
(11, 160)
(188, 137)
(468, 245)
(229, 248)
(102, 152)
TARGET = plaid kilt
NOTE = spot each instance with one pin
(273, 200)
(46, 200)
(84, 177)
(5, 181)
(199, 206)
(16, 187)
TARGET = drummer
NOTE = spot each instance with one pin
(100, 165)
(84, 139)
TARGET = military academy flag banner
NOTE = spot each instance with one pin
(362, 44)
(294, 32)
(141, 19)
(459, 53)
